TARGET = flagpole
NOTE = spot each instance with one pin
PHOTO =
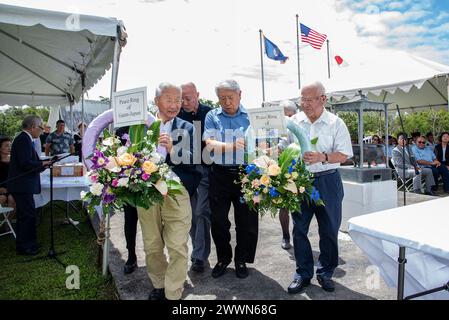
(297, 50)
(328, 61)
(261, 66)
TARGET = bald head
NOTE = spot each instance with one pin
(190, 97)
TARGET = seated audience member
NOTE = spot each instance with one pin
(430, 141)
(59, 141)
(5, 152)
(415, 135)
(441, 149)
(402, 155)
(426, 158)
(389, 153)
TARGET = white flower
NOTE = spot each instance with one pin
(291, 186)
(113, 165)
(83, 194)
(262, 162)
(302, 189)
(123, 182)
(295, 175)
(155, 157)
(110, 141)
(96, 189)
(121, 151)
(274, 170)
(162, 187)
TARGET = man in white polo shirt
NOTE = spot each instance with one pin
(333, 147)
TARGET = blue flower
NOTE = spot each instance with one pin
(250, 168)
(293, 162)
(290, 169)
(256, 193)
(315, 195)
(273, 192)
(242, 200)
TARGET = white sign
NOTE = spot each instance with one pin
(130, 107)
(267, 122)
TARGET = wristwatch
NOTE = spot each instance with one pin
(326, 158)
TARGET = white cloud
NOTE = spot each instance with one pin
(206, 41)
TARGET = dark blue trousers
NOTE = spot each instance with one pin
(329, 220)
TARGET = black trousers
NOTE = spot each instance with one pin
(26, 222)
(223, 192)
(130, 229)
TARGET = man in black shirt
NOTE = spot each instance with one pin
(195, 113)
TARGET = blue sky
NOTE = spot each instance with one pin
(421, 26)
(206, 41)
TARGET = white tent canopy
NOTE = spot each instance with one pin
(44, 55)
(385, 75)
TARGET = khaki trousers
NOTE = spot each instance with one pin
(167, 225)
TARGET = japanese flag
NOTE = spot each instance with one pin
(339, 61)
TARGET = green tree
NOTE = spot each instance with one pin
(11, 118)
(209, 103)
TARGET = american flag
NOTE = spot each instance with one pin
(310, 36)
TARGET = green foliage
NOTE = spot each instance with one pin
(24, 279)
(374, 122)
(11, 118)
(209, 103)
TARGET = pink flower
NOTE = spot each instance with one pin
(115, 183)
(94, 178)
(145, 176)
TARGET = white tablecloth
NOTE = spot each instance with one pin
(64, 188)
(423, 229)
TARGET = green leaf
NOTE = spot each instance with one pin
(314, 140)
(155, 128)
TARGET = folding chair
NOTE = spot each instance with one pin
(5, 212)
(406, 183)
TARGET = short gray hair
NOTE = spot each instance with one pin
(164, 86)
(289, 105)
(319, 86)
(31, 121)
(227, 85)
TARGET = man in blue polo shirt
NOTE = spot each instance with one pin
(426, 158)
(224, 137)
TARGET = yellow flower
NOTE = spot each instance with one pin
(287, 175)
(265, 180)
(295, 175)
(149, 167)
(277, 201)
(126, 159)
(274, 170)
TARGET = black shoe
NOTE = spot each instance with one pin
(219, 269)
(286, 244)
(157, 294)
(197, 266)
(241, 270)
(326, 283)
(298, 285)
(28, 252)
(430, 193)
(129, 267)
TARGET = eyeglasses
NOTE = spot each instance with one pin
(421, 142)
(40, 127)
(307, 100)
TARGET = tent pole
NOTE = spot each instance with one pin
(386, 136)
(114, 76)
(83, 87)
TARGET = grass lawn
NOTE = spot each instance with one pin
(45, 278)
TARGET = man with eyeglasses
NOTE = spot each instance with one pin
(24, 181)
(426, 158)
(195, 112)
(333, 148)
(403, 154)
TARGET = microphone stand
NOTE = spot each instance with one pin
(404, 135)
(52, 254)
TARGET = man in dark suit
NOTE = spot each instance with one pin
(24, 170)
(168, 224)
